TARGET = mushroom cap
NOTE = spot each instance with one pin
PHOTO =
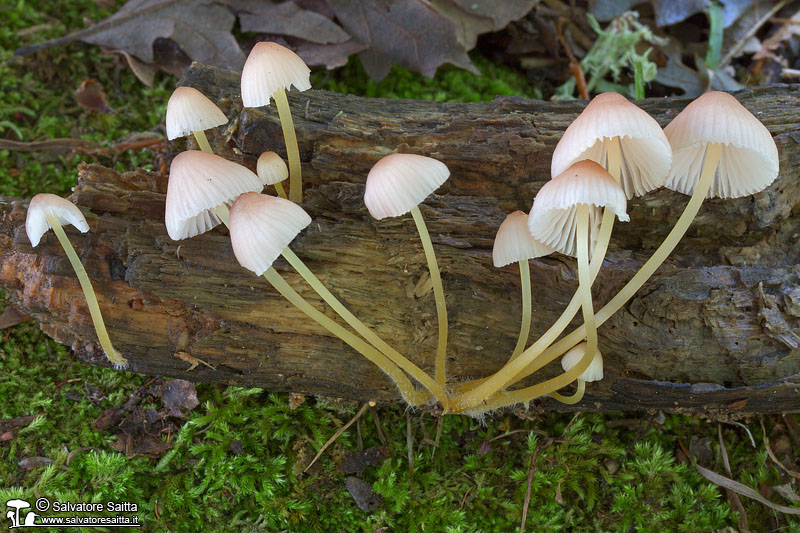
(66, 212)
(270, 67)
(572, 357)
(553, 218)
(199, 182)
(261, 227)
(645, 150)
(514, 242)
(190, 110)
(749, 159)
(399, 182)
(271, 169)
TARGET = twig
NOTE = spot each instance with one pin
(743, 39)
(732, 496)
(528, 488)
(574, 64)
(338, 432)
(377, 421)
(771, 454)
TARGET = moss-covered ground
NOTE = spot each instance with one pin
(236, 464)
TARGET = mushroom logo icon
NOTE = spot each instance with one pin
(13, 515)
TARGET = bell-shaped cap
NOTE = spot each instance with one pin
(42, 204)
(573, 357)
(644, 148)
(199, 182)
(553, 218)
(261, 227)
(270, 67)
(189, 110)
(514, 242)
(399, 182)
(749, 159)
(271, 169)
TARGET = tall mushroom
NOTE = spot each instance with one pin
(396, 185)
(261, 229)
(269, 71)
(190, 112)
(47, 211)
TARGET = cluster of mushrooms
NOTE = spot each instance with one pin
(612, 152)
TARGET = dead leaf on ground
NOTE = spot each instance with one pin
(287, 18)
(475, 17)
(12, 317)
(32, 463)
(409, 33)
(177, 394)
(744, 490)
(361, 491)
(10, 424)
(141, 445)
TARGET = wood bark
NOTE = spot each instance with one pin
(716, 330)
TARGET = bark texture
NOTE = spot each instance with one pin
(716, 330)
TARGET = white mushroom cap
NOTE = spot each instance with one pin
(199, 182)
(261, 227)
(271, 169)
(646, 153)
(749, 160)
(573, 357)
(399, 182)
(270, 67)
(553, 218)
(189, 110)
(514, 242)
(66, 212)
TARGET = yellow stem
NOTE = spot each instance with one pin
(525, 325)
(438, 294)
(88, 292)
(712, 156)
(279, 189)
(411, 395)
(371, 337)
(202, 141)
(292, 151)
(574, 398)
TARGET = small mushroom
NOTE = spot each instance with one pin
(272, 170)
(594, 372)
(47, 211)
(269, 71)
(514, 242)
(190, 112)
(396, 185)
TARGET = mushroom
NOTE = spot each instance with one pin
(190, 112)
(593, 373)
(270, 69)
(47, 211)
(515, 243)
(16, 505)
(261, 228)
(272, 170)
(719, 149)
(396, 185)
(565, 215)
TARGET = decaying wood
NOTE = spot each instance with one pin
(716, 329)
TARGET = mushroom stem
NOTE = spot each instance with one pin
(281, 192)
(292, 151)
(438, 293)
(396, 357)
(711, 160)
(88, 292)
(525, 325)
(518, 368)
(411, 395)
(574, 398)
(202, 141)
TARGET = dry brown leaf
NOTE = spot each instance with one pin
(742, 489)
(12, 317)
(474, 17)
(409, 33)
(91, 96)
(287, 18)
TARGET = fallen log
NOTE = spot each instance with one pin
(714, 331)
